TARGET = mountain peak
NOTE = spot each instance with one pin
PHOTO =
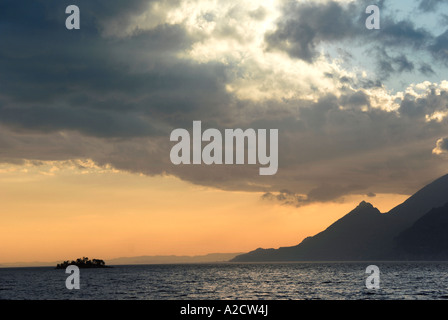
(367, 234)
(363, 208)
(364, 205)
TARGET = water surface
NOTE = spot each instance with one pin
(266, 281)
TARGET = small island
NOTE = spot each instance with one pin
(83, 263)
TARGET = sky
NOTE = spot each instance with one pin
(86, 117)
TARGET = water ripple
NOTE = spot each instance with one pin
(288, 281)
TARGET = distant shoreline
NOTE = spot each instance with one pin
(139, 260)
(248, 263)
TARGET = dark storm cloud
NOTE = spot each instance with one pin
(303, 26)
(402, 34)
(98, 14)
(388, 65)
(328, 148)
(426, 69)
(54, 79)
(100, 123)
(326, 193)
(85, 93)
(426, 105)
(439, 48)
(306, 26)
(429, 5)
(355, 99)
(115, 99)
(365, 146)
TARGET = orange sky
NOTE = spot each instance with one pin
(348, 115)
(58, 212)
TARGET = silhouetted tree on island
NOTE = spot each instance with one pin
(83, 263)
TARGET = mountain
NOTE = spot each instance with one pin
(171, 259)
(427, 238)
(365, 233)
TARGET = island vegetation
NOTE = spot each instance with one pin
(83, 263)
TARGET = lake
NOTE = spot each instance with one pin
(248, 281)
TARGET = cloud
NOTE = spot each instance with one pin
(424, 105)
(303, 26)
(402, 33)
(323, 193)
(441, 147)
(114, 96)
(429, 5)
(331, 192)
(286, 197)
(97, 86)
(426, 69)
(389, 65)
(439, 48)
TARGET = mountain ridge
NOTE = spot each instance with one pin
(363, 234)
(158, 259)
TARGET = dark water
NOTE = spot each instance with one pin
(297, 281)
